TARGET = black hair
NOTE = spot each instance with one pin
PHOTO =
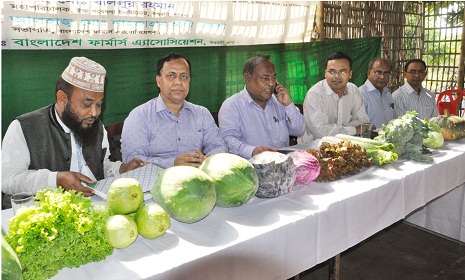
(171, 56)
(64, 86)
(250, 64)
(370, 64)
(338, 55)
(412, 61)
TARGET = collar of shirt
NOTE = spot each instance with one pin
(371, 87)
(251, 101)
(410, 89)
(329, 90)
(65, 128)
(161, 106)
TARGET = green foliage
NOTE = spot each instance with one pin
(441, 43)
(62, 231)
(407, 134)
(380, 152)
(435, 140)
(453, 11)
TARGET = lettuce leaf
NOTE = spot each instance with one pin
(63, 230)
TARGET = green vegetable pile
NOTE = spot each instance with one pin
(435, 139)
(62, 231)
(380, 152)
(407, 133)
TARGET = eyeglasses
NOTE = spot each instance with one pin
(341, 73)
(381, 73)
(414, 72)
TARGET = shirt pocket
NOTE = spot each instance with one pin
(281, 132)
(194, 137)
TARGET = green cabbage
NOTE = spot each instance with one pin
(435, 140)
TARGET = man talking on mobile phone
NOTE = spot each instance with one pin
(262, 116)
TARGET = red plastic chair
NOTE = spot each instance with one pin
(451, 104)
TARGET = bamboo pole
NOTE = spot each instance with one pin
(344, 20)
(462, 56)
(319, 20)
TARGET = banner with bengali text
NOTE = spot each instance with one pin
(37, 25)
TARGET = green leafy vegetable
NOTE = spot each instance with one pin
(433, 126)
(407, 133)
(435, 140)
(380, 152)
(62, 231)
(367, 143)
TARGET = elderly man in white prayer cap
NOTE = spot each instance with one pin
(63, 144)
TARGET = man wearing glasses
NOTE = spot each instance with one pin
(412, 96)
(377, 98)
(168, 130)
(334, 105)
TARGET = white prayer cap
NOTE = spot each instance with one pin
(85, 73)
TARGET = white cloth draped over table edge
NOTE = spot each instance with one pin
(280, 237)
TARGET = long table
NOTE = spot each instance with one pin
(444, 215)
(280, 237)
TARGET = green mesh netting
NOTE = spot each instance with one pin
(29, 77)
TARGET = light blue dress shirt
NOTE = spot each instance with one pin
(244, 125)
(152, 133)
(379, 107)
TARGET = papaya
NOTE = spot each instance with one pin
(452, 126)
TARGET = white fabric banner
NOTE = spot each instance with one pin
(151, 24)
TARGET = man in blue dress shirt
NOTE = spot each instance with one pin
(168, 130)
(262, 116)
(377, 98)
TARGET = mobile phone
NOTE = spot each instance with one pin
(275, 91)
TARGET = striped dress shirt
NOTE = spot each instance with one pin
(407, 99)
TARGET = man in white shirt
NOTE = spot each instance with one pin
(63, 144)
(412, 96)
(334, 105)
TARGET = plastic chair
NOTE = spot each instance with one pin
(451, 104)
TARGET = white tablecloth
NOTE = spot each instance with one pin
(444, 215)
(281, 237)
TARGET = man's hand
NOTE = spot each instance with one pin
(261, 149)
(133, 164)
(190, 159)
(358, 129)
(72, 181)
(283, 95)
